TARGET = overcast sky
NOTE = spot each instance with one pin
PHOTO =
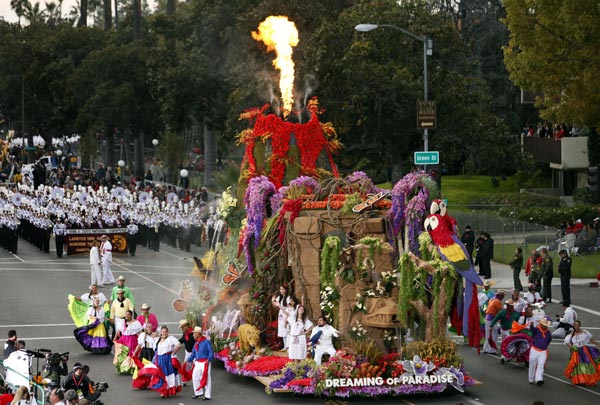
(8, 15)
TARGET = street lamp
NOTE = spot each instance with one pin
(121, 163)
(155, 142)
(183, 173)
(427, 50)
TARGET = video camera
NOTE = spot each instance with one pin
(54, 359)
(101, 386)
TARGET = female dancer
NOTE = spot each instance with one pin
(126, 336)
(299, 326)
(164, 369)
(143, 355)
(584, 366)
(93, 336)
(281, 301)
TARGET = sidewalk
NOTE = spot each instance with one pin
(503, 278)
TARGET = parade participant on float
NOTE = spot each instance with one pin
(506, 317)
(491, 334)
(146, 318)
(106, 256)
(565, 322)
(201, 357)
(281, 301)
(532, 296)
(298, 328)
(168, 382)
(584, 364)
(322, 337)
(541, 338)
(126, 290)
(93, 337)
(118, 310)
(96, 264)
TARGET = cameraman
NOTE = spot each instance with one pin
(78, 381)
(56, 366)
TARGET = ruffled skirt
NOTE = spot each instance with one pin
(93, 338)
(516, 347)
(584, 366)
(164, 375)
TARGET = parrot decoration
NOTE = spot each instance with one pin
(440, 207)
(453, 251)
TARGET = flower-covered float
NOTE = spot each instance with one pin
(384, 267)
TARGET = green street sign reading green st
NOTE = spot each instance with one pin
(427, 158)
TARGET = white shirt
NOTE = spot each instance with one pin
(96, 313)
(569, 316)
(94, 255)
(167, 345)
(326, 337)
(89, 298)
(133, 328)
(106, 251)
(532, 297)
(580, 339)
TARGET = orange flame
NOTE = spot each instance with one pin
(280, 34)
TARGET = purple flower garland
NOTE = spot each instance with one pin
(409, 204)
(259, 191)
(362, 183)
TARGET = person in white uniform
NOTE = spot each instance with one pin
(299, 326)
(324, 343)
(106, 255)
(96, 263)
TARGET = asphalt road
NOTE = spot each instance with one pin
(34, 297)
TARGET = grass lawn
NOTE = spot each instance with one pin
(462, 190)
(584, 266)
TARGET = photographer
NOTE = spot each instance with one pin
(78, 381)
(55, 367)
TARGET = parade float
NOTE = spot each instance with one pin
(348, 250)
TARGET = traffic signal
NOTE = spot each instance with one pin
(593, 178)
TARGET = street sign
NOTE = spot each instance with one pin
(427, 158)
(426, 112)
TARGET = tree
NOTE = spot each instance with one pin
(553, 50)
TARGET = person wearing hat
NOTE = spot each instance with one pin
(491, 334)
(121, 286)
(118, 310)
(532, 296)
(541, 338)
(201, 357)
(77, 380)
(147, 318)
(187, 338)
(106, 256)
(506, 316)
(564, 269)
(71, 397)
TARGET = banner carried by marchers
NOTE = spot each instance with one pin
(80, 240)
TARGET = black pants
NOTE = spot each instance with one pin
(547, 288)
(517, 279)
(132, 243)
(59, 245)
(565, 288)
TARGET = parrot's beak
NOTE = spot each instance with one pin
(429, 228)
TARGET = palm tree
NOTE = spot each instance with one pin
(54, 11)
(33, 12)
(18, 7)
